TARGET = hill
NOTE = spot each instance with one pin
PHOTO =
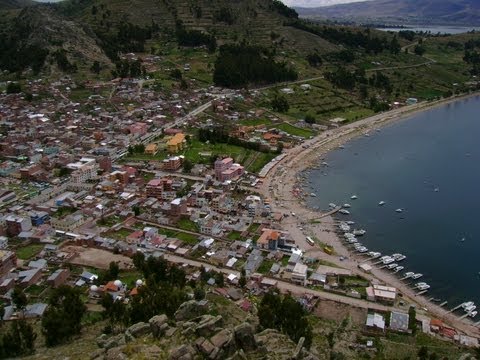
(14, 4)
(458, 12)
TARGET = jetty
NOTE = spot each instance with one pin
(464, 316)
(421, 292)
(456, 308)
(443, 304)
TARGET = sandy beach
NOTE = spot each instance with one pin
(280, 184)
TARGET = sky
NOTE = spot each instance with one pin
(316, 3)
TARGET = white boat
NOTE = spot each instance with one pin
(371, 253)
(332, 205)
(352, 241)
(360, 232)
(353, 197)
(392, 266)
(341, 147)
(467, 304)
(473, 314)
(348, 235)
(346, 206)
(376, 255)
(350, 222)
(470, 308)
(344, 212)
(381, 203)
(344, 227)
(422, 286)
(399, 268)
(408, 275)
(399, 257)
(388, 261)
(399, 210)
(313, 195)
(417, 276)
(363, 250)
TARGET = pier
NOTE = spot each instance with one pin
(463, 316)
(421, 292)
(456, 308)
(443, 304)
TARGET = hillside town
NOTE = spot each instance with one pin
(89, 182)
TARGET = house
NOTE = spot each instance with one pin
(381, 293)
(176, 143)
(29, 277)
(88, 277)
(399, 321)
(151, 149)
(254, 261)
(269, 239)
(299, 274)
(172, 163)
(8, 261)
(375, 322)
(59, 277)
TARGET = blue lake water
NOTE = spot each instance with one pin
(403, 164)
(435, 29)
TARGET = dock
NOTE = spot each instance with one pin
(405, 278)
(463, 316)
(443, 304)
(477, 323)
(421, 292)
(456, 308)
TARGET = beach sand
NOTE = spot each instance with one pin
(279, 184)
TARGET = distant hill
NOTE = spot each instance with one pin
(14, 4)
(457, 12)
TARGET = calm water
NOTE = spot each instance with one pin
(435, 29)
(402, 165)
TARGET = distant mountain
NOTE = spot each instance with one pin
(458, 12)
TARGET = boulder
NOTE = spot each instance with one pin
(239, 355)
(222, 339)
(184, 352)
(191, 309)
(115, 341)
(137, 330)
(298, 349)
(97, 354)
(159, 325)
(206, 347)
(115, 354)
(102, 340)
(244, 337)
(208, 325)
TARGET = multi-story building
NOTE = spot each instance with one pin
(8, 261)
(175, 144)
(17, 224)
(226, 169)
(155, 188)
(173, 163)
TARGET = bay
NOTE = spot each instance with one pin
(428, 165)
(452, 30)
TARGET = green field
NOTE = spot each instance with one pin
(187, 224)
(295, 131)
(255, 122)
(29, 251)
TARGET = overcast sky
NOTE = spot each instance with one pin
(315, 3)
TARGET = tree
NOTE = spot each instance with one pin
(62, 319)
(2, 314)
(18, 340)
(219, 280)
(176, 74)
(113, 270)
(138, 260)
(187, 166)
(96, 67)
(419, 50)
(19, 299)
(136, 210)
(310, 119)
(199, 293)
(14, 88)
(243, 279)
(280, 104)
(423, 353)
(412, 319)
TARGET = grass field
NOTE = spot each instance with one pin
(187, 224)
(256, 122)
(295, 131)
(29, 251)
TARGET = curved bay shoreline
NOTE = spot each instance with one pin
(283, 179)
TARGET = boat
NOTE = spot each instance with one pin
(399, 210)
(467, 304)
(344, 212)
(462, 239)
(313, 195)
(388, 261)
(344, 227)
(399, 257)
(341, 147)
(353, 197)
(472, 314)
(332, 205)
(360, 232)
(376, 255)
(422, 286)
(324, 163)
(348, 235)
(346, 206)
(350, 222)
(381, 203)
(408, 275)
(417, 276)
(470, 308)
(392, 266)
(363, 249)
(398, 268)
(437, 189)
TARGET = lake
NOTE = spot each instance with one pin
(435, 29)
(428, 165)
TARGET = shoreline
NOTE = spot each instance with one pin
(281, 181)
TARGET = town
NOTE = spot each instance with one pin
(93, 174)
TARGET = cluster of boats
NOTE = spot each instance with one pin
(344, 207)
(469, 307)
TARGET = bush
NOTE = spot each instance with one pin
(14, 88)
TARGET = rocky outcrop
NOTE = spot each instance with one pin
(137, 330)
(159, 325)
(191, 309)
(244, 337)
(184, 352)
